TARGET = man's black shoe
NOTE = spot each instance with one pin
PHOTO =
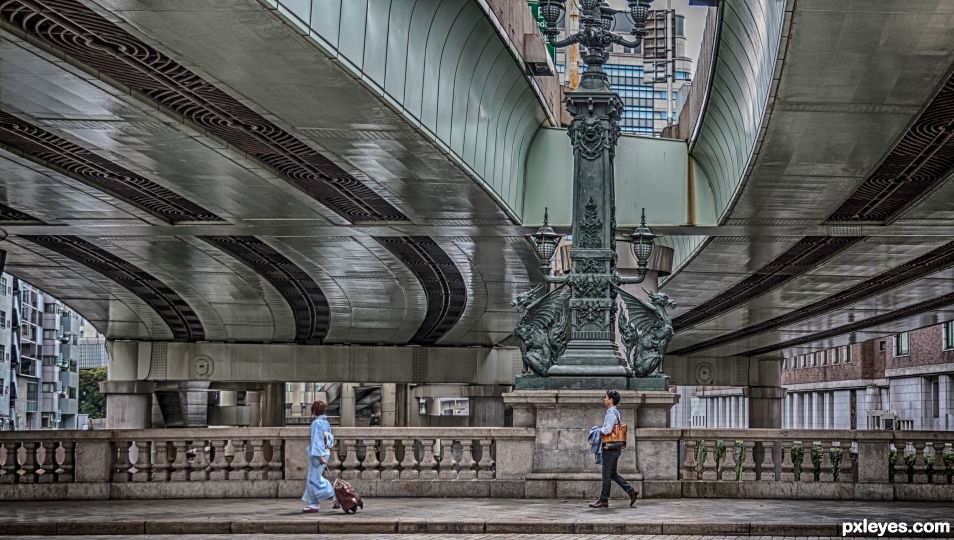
(632, 497)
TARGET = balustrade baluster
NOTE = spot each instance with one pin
(920, 466)
(66, 465)
(44, 462)
(428, 464)
(728, 471)
(276, 464)
(180, 465)
(140, 468)
(371, 463)
(689, 465)
(409, 464)
(27, 469)
(219, 465)
(199, 469)
(257, 464)
(788, 466)
(121, 463)
(160, 464)
(448, 468)
(844, 466)
(767, 473)
(709, 464)
(826, 469)
(389, 463)
(333, 467)
(900, 462)
(938, 477)
(807, 466)
(238, 469)
(8, 462)
(465, 467)
(748, 461)
(351, 463)
(486, 463)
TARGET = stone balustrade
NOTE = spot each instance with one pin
(473, 462)
(826, 464)
(259, 462)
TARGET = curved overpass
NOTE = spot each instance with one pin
(254, 172)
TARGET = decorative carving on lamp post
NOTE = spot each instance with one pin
(570, 332)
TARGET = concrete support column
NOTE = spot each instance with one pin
(485, 405)
(388, 405)
(765, 406)
(128, 397)
(347, 405)
(273, 405)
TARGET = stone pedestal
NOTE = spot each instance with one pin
(563, 464)
(128, 404)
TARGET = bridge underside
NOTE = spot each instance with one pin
(223, 175)
(832, 223)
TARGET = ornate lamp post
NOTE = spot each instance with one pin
(569, 335)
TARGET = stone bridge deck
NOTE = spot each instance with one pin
(443, 517)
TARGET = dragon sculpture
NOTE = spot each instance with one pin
(542, 328)
(645, 331)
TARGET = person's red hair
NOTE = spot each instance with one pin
(318, 408)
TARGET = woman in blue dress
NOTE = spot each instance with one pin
(317, 487)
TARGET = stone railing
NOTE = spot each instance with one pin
(824, 464)
(475, 462)
(259, 462)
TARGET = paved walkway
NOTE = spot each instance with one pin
(478, 517)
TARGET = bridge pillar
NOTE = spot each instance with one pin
(388, 405)
(485, 405)
(128, 398)
(348, 405)
(273, 404)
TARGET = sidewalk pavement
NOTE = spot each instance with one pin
(757, 517)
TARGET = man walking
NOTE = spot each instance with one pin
(611, 453)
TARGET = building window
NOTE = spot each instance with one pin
(835, 355)
(824, 358)
(804, 360)
(682, 75)
(848, 354)
(901, 345)
(949, 335)
(49, 388)
(815, 358)
(31, 391)
(3, 387)
(935, 397)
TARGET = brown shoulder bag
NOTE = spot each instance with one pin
(617, 437)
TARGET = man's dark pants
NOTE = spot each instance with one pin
(610, 459)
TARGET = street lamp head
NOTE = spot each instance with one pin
(589, 6)
(638, 12)
(551, 10)
(607, 17)
(643, 241)
(545, 240)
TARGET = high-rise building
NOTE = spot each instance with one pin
(647, 78)
(7, 380)
(39, 373)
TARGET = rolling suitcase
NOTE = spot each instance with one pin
(348, 499)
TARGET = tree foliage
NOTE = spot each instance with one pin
(91, 401)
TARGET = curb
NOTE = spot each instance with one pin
(335, 526)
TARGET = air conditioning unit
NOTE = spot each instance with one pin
(57, 417)
(59, 387)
